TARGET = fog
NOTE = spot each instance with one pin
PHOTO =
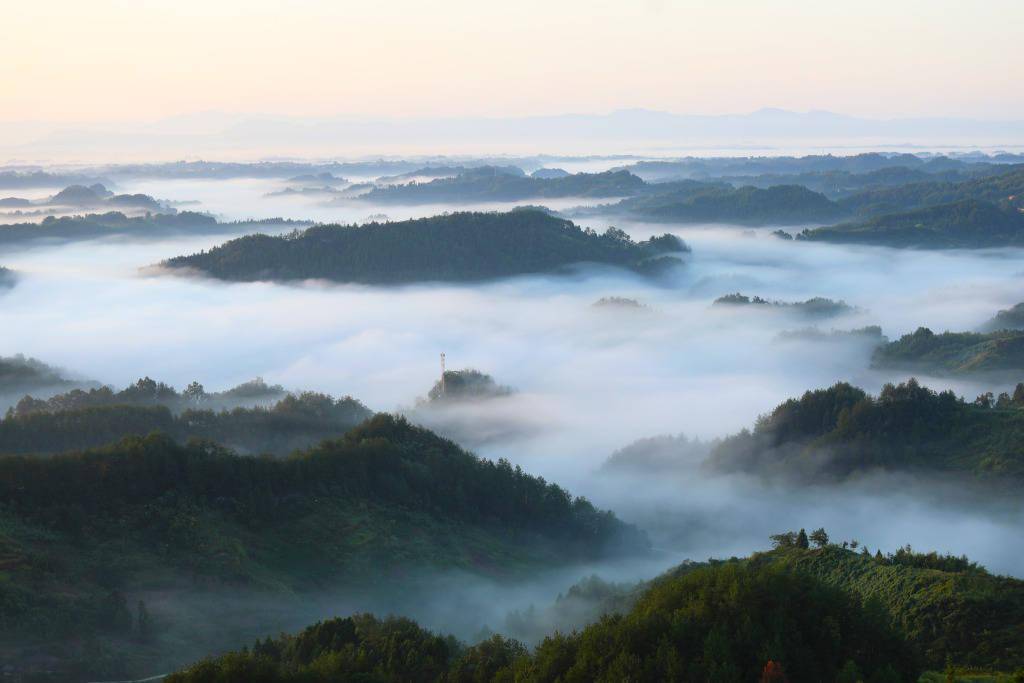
(586, 380)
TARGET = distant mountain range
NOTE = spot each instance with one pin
(638, 130)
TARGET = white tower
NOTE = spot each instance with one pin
(442, 373)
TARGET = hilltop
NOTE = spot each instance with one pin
(451, 247)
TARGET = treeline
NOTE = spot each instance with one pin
(466, 385)
(816, 307)
(700, 202)
(144, 392)
(950, 609)
(841, 431)
(727, 622)
(490, 183)
(296, 421)
(954, 353)
(115, 223)
(452, 247)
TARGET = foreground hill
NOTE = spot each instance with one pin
(954, 353)
(452, 247)
(735, 621)
(840, 432)
(86, 536)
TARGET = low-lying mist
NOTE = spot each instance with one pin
(587, 380)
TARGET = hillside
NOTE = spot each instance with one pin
(7, 278)
(1001, 185)
(87, 535)
(967, 224)
(840, 432)
(695, 202)
(944, 605)
(954, 353)
(116, 224)
(497, 184)
(1007, 319)
(730, 622)
(451, 247)
(20, 375)
(817, 307)
(296, 421)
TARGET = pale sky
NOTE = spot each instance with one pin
(139, 60)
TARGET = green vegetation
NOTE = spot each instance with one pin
(970, 223)
(1008, 319)
(734, 621)
(954, 353)
(84, 536)
(818, 307)
(466, 385)
(114, 223)
(452, 247)
(488, 183)
(82, 420)
(699, 202)
(841, 431)
(947, 607)
(19, 374)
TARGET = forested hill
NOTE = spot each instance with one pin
(692, 202)
(496, 184)
(840, 432)
(115, 224)
(296, 421)
(968, 224)
(87, 535)
(731, 621)
(451, 247)
(955, 353)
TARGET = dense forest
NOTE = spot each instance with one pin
(81, 420)
(954, 353)
(466, 385)
(797, 613)
(88, 534)
(967, 224)
(454, 247)
(817, 307)
(116, 224)
(21, 375)
(841, 432)
(489, 183)
(720, 203)
(699, 168)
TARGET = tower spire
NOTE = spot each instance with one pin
(442, 373)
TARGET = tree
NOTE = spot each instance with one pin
(819, 537)
(1018, 393)
(854, 543)
(801, 540)
(784, 540)
(194, 392)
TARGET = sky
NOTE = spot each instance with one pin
(68, 61)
